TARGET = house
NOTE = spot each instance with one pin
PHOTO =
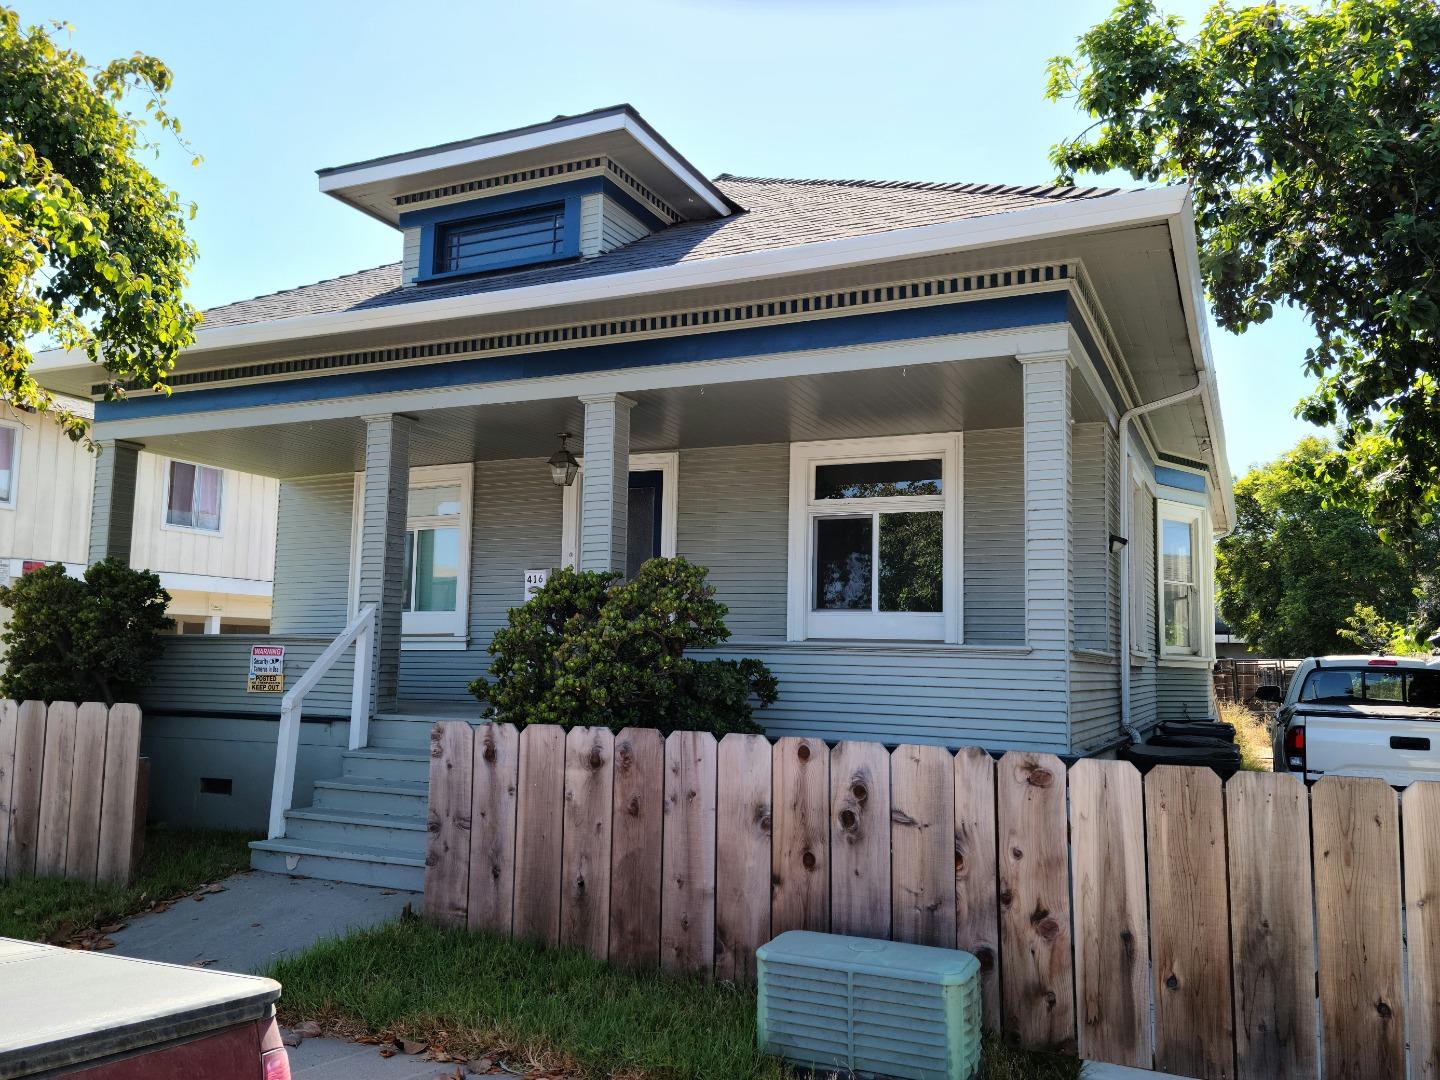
(209, 533)
(951, 453)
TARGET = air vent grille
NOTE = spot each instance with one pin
(871, 1007)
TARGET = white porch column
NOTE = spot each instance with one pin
(1049, 615)
(605, 494)
(112, 504)
(383, 511)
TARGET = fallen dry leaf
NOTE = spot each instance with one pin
(412, 1047)
(388, 1051)
(308, 1029)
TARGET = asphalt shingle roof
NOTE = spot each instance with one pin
(778, 213)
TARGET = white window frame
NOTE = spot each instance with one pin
(802, 622)
(165, 522)
(19, 430)
(1196, 517)
(667, 464)
(427, 631)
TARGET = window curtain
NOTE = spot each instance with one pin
(207, 499)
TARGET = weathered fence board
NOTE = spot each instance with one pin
(121, 816)
(977, 909)
(687, 903)
(1036, 973)
(635, 856)
(1095, 900)
(25, 790)
(57, 774)
(1189, 922)
(742, 855)
(589, 788)
(1112, 931)
(72, 803)
(492, 828)
(447, 825)
(800, 852)
(539, 829)
(1357, 902)
(82, 846)
(1421, 812)
(9, 717)
(860, 839)
(922, 845)
(1271, 919)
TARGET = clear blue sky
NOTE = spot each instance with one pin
(904, 89)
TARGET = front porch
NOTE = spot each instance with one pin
(989, 666)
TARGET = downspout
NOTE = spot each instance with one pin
(1125, 418)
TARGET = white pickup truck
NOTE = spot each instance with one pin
(1359, 716)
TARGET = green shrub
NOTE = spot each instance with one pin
(82, 640)
(589, 650)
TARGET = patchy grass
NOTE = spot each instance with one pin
(1252, 735)
(175, 863)
(475, 995)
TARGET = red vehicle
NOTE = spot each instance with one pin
(103, 1017)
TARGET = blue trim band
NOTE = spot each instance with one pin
(1177, 478)
(976, 316)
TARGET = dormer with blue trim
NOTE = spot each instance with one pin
(572, 188)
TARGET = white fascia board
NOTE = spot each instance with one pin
(1192, 297)
(1067, 218)
(215, 584)
(670, 161)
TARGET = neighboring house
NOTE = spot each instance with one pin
(208, 532)
(951, 453)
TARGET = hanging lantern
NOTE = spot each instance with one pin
(563, 466)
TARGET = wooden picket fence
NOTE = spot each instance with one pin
(1172, 923)
(73, 790)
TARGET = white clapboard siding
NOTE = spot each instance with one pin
(410, 259)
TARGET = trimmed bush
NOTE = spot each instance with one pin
(587, 649)
(90, 639)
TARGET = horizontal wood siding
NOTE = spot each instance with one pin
(1091, 534)
(619, 227)
(206, 674)
(1184, 693)
(994, 587)
(312, 555)
(515, 527)
(1094, 704)
(733, 518)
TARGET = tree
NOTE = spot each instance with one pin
(1311, 141)
(588, 649)
(90, 639)
(1302, 575)
(93, 251)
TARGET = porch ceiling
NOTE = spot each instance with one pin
(960, 396)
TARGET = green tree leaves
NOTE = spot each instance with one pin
(1311, 141)
(587, 649)
(93, 251)
(82, 640)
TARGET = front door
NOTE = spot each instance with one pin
(647, 497)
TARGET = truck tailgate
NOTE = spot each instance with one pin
(1399, 745)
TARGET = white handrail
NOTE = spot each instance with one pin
(287, 742)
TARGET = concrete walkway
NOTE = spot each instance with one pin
(256, 919)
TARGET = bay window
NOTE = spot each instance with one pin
(192, 496)
(874, 539)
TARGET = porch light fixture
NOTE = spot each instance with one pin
(1117, 543)
(563, 466)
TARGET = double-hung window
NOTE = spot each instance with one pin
(192, 496)
(1183, 556)
(874, 539)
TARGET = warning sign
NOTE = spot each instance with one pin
(267, 669)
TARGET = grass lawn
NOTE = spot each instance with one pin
(481, 996)
(175, 862)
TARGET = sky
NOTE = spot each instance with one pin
(899, 89)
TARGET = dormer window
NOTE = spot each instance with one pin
(497, 240)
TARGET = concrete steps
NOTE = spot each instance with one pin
(366, 826)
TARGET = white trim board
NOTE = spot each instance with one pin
(666, 463)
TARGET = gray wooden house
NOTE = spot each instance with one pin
(951, 453)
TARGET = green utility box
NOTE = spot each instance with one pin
(876, 1008)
